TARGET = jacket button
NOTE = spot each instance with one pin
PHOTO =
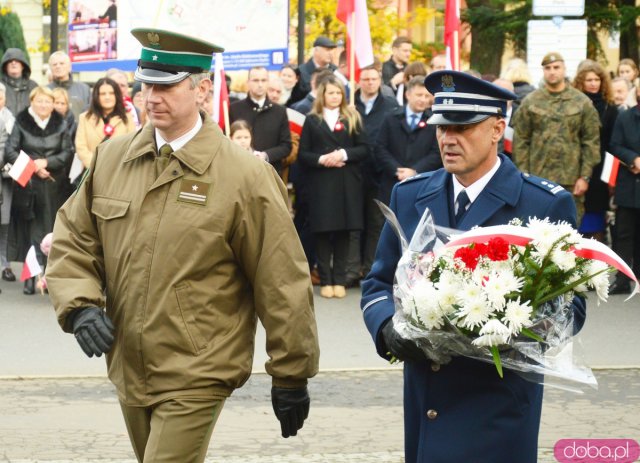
(435, 367)
(432, 414)
(175, 172)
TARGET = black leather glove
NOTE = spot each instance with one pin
(93, 331)
(291, 407)
(402, 349)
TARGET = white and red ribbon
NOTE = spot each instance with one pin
(521, 236)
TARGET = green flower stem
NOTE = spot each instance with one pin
(565, 289)
(496, 359)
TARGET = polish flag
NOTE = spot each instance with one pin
(31, 266)
(354, 14)
(296, 120)
(220, 95)
(610, 168)
(452, 33)
(508, 139)
(131, 110)
(23, 169)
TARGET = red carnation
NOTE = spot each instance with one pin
(338, 127)
(481, 248)
(498, 249)
(468, 255)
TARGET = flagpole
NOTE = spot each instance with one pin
(225, 110)
(352, 58)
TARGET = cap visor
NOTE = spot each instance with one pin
(153, 76)
(456, 118)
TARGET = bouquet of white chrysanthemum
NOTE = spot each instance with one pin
(500, 294)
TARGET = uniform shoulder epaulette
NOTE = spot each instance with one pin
(542, 183)
(420, 176)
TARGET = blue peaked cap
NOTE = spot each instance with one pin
(461, 98)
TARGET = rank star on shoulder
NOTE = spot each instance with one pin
(194, 187)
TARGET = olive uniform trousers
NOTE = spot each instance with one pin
(176, 430)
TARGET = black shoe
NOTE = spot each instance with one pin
(29, 287)
(8, 275)
(620, 287)
(352, 283)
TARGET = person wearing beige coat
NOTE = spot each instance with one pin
(106, 118)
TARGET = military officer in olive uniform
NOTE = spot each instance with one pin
(557, 132)
(462, 411)
(171, 249)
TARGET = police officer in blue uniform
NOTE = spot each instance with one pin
(463, 411)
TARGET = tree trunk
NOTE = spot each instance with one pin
(629, 38)
(487, 40)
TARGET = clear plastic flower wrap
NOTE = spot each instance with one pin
(501, 301)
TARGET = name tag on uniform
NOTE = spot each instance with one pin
(193, 191)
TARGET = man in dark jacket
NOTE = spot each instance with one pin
(270, 136)
(321, 59)
(406, 144)
(625, 145)
(393, 70)
(15, 76)
(373, 107)
(79, 92)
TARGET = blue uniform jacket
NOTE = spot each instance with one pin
(463, 411)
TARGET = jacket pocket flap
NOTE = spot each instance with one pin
(109, 208)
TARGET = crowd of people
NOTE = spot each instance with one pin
(347, 155)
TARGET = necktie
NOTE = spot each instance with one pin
(462, 201)
(414, 119)
(162, 160)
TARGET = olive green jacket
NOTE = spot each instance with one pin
(557, 136)
(183, 278)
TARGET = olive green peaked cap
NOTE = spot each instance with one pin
(168, 57)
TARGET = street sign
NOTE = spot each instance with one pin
(558, 7)
(567, 37)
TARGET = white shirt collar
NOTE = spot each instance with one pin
(409, 113)
(259, 102)
(42, 123)
(474, 190)
(331, 116)
(182, 140)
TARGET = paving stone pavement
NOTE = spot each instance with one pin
(356, 416)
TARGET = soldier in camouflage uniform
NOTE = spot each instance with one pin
(557, 132)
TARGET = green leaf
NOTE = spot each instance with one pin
(530, 334)
(567, 288)
(496, 359)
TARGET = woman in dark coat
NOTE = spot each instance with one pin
(293, 91)
(41, 133)
(332, 146)
(594, 82)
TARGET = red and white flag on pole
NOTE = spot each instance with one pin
(31, 266)
(452, 33)
(610, 168)
(508, 139)
(296, 120)
(23, 169)
(354, 14)
(220, 95)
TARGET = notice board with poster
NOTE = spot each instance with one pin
(253, 32)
